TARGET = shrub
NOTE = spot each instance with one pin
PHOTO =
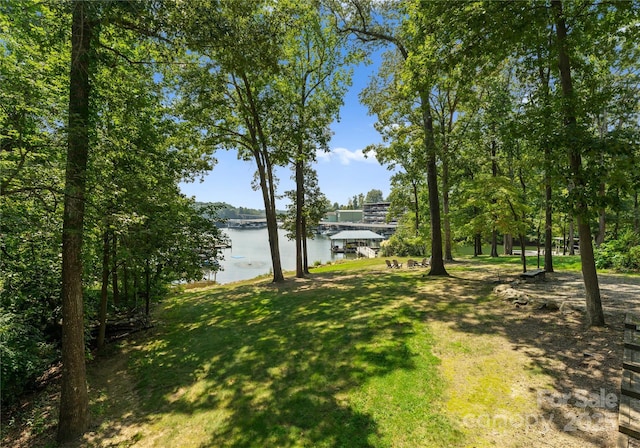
(622, 254)
(403, 246)
(24, 355)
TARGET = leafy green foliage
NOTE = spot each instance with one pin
(24, 354)
(622, 254)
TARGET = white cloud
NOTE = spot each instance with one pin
(345, 156)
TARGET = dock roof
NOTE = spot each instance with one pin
(356, 235)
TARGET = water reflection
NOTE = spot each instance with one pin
(249, 255)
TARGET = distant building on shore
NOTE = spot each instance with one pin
(376, 213)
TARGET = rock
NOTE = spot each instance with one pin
(566, 307)
(506, 292)
(548, 305)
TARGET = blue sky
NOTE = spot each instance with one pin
(342, 173)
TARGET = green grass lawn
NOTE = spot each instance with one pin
(344, 363)
(356, 355)
(346, 358)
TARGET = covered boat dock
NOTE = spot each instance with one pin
(365, 242)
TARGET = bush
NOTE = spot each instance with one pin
(622, 254)
(403, 246)
(634, 257)
(24, 355)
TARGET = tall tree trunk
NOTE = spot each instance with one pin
(523, 250)
(416, 205)
(299, 215)
(268, 195)
(305, 252)
(544, 73)
(147, 287)
(136, 289)
(595, 315)
(74, 400)
(548, 223)
(125, 282)
(104, 292)
(572, 239)
(114, 270)
(265, 173)
(448, 253)
(477, 245)
(437, 260)
(494, 243)
(602, 224)
(636, 213)
(508, 244)
(494, 174)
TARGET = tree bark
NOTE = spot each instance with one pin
(548, 223)
(74, 401)
(104, 292)
(305, 251)
(571, 240)
(494, 174)
(446, 220)
(416, 205)
(595, 315)
(477, 245)
(602, 224)
(147, 287)
(260, 150)
(299, 167)
(636, 213)
(114, 270)
(508, 244)
(437, 260)
(523, 255)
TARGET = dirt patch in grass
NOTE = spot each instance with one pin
(545, 378)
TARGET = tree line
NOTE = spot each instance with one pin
(498, 118)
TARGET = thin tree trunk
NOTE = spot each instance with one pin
(125, 282)
(601, 218)
(265, 174)
(299, 215)
(304, 246)
(636, 213)
(508, 244)
(114, 270)
(477, 245)
(494, 243)
(104, 292)
(437, 260)
(494, 174)
(523, 248)
(416, 205)
(74, 400)
(147, 287)
(595, 314)
(572, 240)
(548, 226)
(448, 253)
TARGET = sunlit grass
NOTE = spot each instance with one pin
(356, 355)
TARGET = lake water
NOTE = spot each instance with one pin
(250, 257)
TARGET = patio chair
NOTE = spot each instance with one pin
(425, 262)
(412, 263)
(389, 265)
(396, 264)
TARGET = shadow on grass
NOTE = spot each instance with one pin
(278, 365)
(584, 363)
(274, 365)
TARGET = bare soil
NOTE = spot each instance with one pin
(586, 363)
